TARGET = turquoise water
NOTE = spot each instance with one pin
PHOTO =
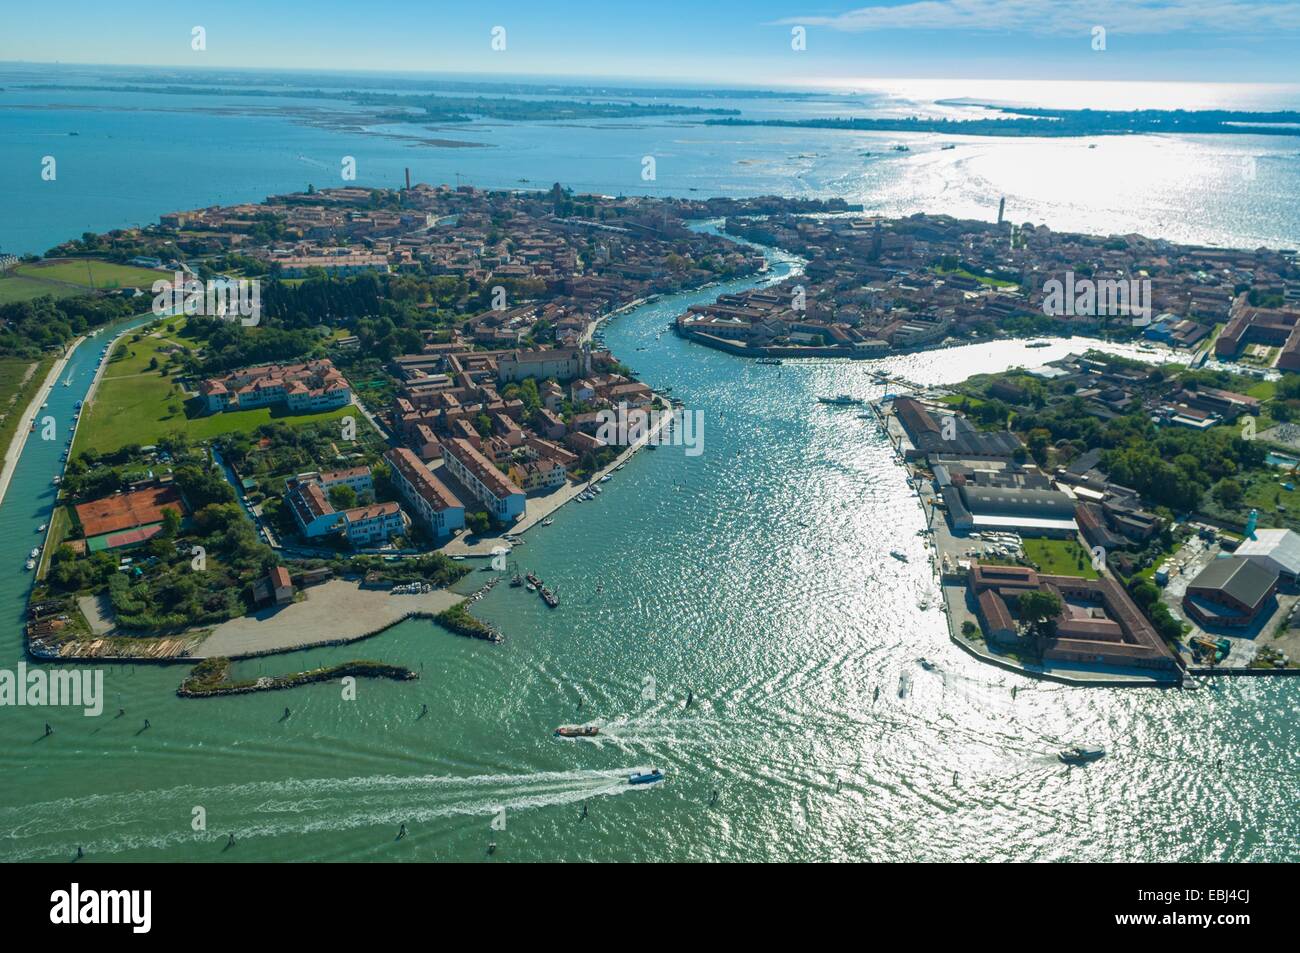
(138, 155)
(755, 576)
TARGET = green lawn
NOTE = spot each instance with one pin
(143, 407)
(88, 271)
(134, 404)
(15, 395)
(14, 288)
(986, 280)
(1262, 390)
(1060, 557)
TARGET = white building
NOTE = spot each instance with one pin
(504, 501)
(425, 496)
(1277, 550)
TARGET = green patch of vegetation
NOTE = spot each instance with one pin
(20, 382)
(29, 328)
(436, 569)
(986, 280)
(140, 399)
(15, 288)
(166, 585)
(1060, 557)
(93, 273)
(458, 619)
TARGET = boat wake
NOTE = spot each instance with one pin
(114, 823)
(660, 728)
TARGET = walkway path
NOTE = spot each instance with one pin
(19, 441)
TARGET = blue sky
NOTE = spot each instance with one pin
(742, 43)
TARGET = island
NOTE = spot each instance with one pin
(337, 398)
(416, 380)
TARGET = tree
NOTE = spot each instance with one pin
(171, 523)
(1039, 611)
(1228, 493)
(343, 497)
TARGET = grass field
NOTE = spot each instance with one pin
(1060, 557)
(16, 394)
(89, 271)
(134, 404)
(60, 527)
(19, 288)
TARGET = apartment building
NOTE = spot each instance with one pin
(427, 498)
(504, 501)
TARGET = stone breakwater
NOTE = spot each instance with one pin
(211, 677)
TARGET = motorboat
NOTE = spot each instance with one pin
(841, 400)
(30, 564)
(36, 551)
(548, 521)
(43, 527)
(577, 731)
(1079, 754)
(900, 556)
(646, 777)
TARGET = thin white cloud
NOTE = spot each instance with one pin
(1065, 17)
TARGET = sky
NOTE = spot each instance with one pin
(710, 41)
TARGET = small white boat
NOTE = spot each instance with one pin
(30, 564)
(36, 551)
(548, 521)
(1078, 754)
(43, 527)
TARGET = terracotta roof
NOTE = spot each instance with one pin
(128, 510)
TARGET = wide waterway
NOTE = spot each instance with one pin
(756, 576)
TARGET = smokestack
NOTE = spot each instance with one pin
(1002, 207)
(408, 177)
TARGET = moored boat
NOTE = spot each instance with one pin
(841, 400)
